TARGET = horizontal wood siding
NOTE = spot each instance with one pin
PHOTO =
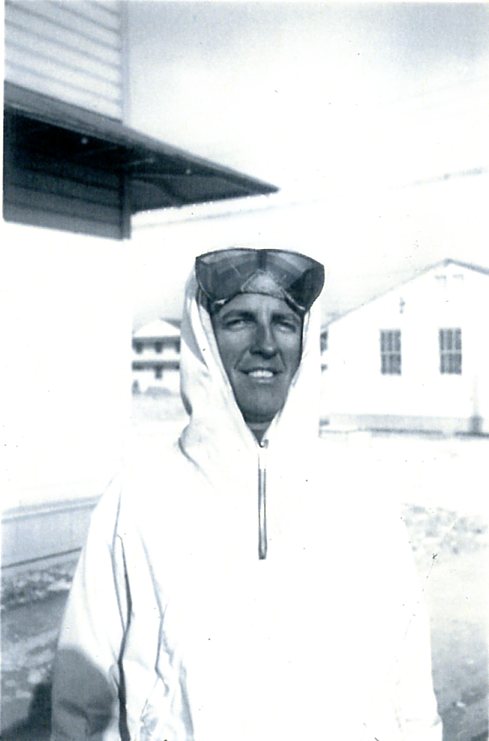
(52, 220)
(69, 49)
(71, 205)
(44, 191)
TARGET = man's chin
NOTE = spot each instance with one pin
(262, 416)
(259, 403)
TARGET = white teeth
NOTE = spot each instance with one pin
(261, 373)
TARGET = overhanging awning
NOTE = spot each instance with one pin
(47, 140)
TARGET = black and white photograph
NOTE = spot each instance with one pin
(244, 288)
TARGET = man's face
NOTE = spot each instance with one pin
(259, 339)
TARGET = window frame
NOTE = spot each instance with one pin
(450, 351)
(390, 352)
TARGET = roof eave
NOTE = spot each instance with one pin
(161, 175)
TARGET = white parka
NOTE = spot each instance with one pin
(175, 630)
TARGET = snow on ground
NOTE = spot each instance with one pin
(432, 470)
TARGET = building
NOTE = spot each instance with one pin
(71, 162)
(414, 358)
(156, 357)
(74, 176)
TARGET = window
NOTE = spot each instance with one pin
(390, 351)
(324, 340)
(138, 346)
(450, 350)
(158, 372)
(158, 346)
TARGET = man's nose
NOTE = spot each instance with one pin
(264, 341)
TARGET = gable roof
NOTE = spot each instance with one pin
(417, 274)
(156, 329)
(461, 264)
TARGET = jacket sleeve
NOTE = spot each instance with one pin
(86, 682)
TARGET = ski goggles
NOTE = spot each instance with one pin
(224, 274)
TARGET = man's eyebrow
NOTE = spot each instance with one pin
(237, 314)
(287, 315)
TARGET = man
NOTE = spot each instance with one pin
(251, 583)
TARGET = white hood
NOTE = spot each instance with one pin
(217, 438)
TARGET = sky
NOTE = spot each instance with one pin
(371, 119)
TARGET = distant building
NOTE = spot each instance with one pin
(415, 358)
(156, 357)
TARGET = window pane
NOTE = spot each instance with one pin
(450, 350)
(390, 351)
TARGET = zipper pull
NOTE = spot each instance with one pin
(262, 501)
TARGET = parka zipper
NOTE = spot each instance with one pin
(262, 500)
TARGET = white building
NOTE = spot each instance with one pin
(156, 357)
(416, 357)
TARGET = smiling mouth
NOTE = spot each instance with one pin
(262, 373)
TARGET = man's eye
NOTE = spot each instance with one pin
(235, 323)
(288, 324)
